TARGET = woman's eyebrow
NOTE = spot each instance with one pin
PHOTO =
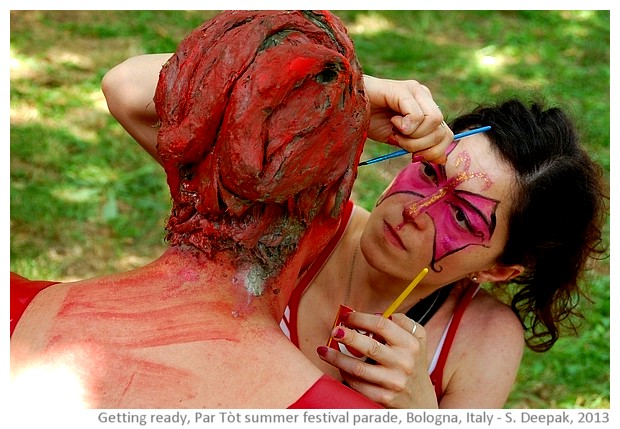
(469, 132)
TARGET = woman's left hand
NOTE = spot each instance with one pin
(398, 378)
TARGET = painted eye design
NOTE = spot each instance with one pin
(461, 218)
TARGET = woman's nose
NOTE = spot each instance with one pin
(419, 207)
(412, 214)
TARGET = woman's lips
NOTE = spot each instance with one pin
(392, 236)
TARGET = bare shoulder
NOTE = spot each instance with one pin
(39, 314)
(485, 356)
(489, 332)
(31, 336)
(488, 316)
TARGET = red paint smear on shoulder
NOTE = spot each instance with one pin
(140, 318)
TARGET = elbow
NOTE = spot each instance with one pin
(111, 87)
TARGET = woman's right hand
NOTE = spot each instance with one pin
(398, 377)
(404, 113)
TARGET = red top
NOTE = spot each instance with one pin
(327, 392)
(289, 321)
(453, 325)
(23, 292)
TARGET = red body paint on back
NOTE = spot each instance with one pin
(116, 334)
(137, 316)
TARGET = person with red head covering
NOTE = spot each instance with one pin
(263, 117)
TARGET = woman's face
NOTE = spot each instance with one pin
(450, 218)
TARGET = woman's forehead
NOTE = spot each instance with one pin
(485, 169)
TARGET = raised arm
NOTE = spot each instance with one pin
(403, 111)
(129, 88)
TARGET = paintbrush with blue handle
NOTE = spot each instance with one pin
(404, 152)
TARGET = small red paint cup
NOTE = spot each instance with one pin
(343, 310)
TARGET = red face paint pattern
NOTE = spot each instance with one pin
(461, 218)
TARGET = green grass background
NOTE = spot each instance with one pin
(86, 200)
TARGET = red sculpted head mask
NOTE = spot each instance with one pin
(263, 117)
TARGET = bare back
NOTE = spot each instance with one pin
(142, 341)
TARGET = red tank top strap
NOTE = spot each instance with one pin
(313, 270)
(437, 374)
(23, 292)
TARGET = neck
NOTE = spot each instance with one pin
(222, 279)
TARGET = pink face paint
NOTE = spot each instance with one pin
(461, 218)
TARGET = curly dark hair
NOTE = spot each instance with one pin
(559, 208)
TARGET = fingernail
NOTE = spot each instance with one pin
(338, 333)
(406, 125)
(417, 158)
(321, 350)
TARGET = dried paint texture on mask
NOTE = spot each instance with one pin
(263, 116)
(461, 218)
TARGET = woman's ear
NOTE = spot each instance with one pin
(499, 273)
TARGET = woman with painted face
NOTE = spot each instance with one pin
(518, 209)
